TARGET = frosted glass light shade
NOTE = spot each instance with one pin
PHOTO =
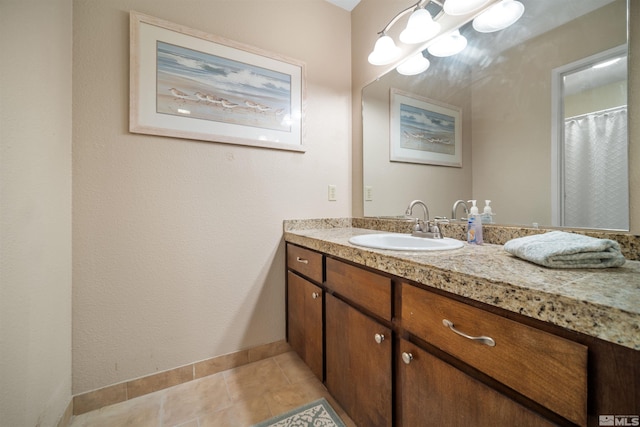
(499, 16)
(462, 7)
(414, 65)
(448, 44)
(420, 27)
(384, 52)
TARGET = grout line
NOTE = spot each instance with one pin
(275, 344)
(284, 373)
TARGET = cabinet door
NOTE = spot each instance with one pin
(358, 356)
(434, 393)
(304, 321)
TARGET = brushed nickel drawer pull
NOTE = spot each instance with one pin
(378, 338)
(315, 295)
(484, 340)
(302, 260)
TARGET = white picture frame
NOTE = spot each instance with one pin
(424, 131)
(185, 83)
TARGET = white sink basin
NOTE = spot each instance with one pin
(404, 242)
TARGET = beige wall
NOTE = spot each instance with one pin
(596, 99)
(177, 244)
(35, 211)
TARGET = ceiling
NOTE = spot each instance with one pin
(345, 4)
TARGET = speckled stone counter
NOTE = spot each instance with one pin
(604, 303)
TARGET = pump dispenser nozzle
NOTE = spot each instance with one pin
(474, 208)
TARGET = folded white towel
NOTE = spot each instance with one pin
(559, 249)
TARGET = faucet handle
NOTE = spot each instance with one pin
(420, 225)
(434, 226)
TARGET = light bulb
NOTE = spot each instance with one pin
(414, 65)
(448, 44)
(499, 16)
(384, 52)
(420, 27)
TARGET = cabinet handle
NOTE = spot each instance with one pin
(379, 338)
(407, 357)
(484, 340)
(315, 295)
(302, 260)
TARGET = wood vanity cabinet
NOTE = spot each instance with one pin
(304, 306)
(390, 360)
(359, 346)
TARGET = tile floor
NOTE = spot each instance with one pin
(239, 397)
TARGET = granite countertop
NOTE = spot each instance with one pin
(603, 303)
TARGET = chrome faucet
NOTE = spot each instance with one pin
(409, 211)
(424, 227)
(455, 207)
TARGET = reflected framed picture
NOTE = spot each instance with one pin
(186, 83)
(423, 130)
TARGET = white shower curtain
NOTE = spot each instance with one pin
(596, 184)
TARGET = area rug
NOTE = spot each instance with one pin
(314, 414)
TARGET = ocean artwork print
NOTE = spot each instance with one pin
(425, 130)
(209, 87)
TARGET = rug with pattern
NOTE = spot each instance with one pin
(314, 414)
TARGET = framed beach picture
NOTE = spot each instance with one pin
(186, 83)
(424, 131)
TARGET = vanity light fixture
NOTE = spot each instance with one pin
(421, 27)
(385, 50)
(499, 16)
(448, 44)
(414, 65)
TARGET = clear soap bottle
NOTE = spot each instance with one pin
(474, 225)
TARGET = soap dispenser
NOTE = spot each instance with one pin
(474, 225)
(487, 214)
(474, 208)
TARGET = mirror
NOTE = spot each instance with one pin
(502, 85)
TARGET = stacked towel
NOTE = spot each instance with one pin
(558, 249)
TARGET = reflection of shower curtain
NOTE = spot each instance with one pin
(596, 184)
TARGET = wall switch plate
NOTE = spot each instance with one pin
(332, 193)
(368, 193)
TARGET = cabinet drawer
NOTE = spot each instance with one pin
(544, 367)
(305, 261)
(369, 290)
